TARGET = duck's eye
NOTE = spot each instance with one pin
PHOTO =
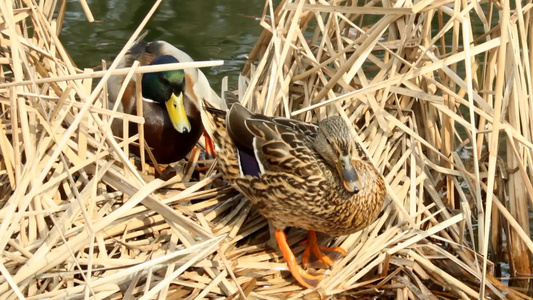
(343, 164)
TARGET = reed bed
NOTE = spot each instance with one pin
(443, 113)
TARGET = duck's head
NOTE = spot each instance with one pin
(168, 88)
(335, 144)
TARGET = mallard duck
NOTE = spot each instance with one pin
(171, 101)
(298, 174)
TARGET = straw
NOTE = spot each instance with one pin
(442, 110)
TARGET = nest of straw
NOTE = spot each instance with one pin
(79, 219)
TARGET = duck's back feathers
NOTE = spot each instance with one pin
(139, 52)
(264, 143)
(243, 126)
(163, 48)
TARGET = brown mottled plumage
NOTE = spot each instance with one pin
(312, 177)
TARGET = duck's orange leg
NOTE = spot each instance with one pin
(316, 249)
(304, 278)
(209, 146)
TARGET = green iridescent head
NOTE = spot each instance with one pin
(168, 88)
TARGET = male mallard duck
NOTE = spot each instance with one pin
(298, 174)
(171, 101)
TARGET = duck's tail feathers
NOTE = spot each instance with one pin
(214, 120)
(214, 114)
(230, 98)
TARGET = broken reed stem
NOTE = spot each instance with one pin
(120, 71)
(140, 127)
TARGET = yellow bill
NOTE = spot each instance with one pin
(177, 113)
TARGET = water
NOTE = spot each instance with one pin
(206, 30)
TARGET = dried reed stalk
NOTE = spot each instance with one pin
(432, 107)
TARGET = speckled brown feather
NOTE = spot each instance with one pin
(298, 188)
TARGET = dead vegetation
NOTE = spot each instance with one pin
(443, 110)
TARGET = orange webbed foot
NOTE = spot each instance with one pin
(303, 277)
(313, 247)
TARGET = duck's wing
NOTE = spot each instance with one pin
(308, 129)
(267, 144)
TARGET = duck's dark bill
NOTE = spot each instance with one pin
(177, 113)
(349, 177)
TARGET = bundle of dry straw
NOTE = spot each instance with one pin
(432, 102)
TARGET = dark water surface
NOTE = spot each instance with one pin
(205, 29)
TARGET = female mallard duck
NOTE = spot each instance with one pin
(298, 174)
(171, 101)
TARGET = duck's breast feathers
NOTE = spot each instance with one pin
(278, 145)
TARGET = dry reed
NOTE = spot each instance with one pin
(433, 108)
